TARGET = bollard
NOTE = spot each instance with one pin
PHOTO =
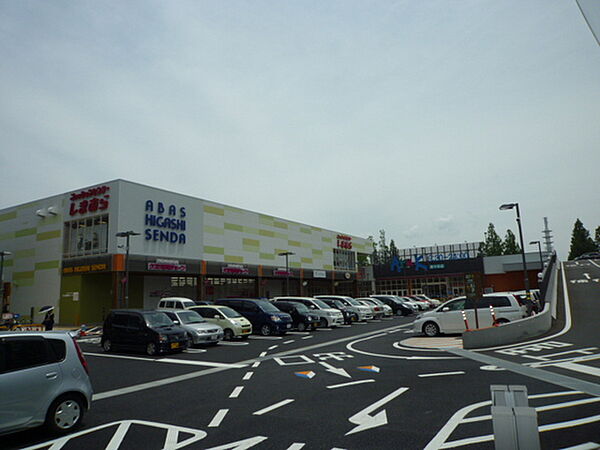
(465, 319)
(514, 421)
(494, 323)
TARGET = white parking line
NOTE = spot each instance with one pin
(219, 416)
(273, 347)
(256, 364)
(302, 333)
(190, 362)
(262, 354)
(248, 376)
(260, 412)
(194, 350)
(232, 344)
(351, 383)
(439, 374)
(307, 337)
(296, 446)
(236, 392)
(288, 342)
(265, 338)
(344, 326)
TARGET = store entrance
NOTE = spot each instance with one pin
(219, 287)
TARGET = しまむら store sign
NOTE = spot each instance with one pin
(344, 241)
(89, 200)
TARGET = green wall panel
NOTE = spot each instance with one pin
(305, 230)
(47, 265)
(27, 274)
(294, 243)
(278, 224)
(48, 235)
(266, 233)
(25, 232)
(8, 216)
(234, 259)
(251, 242)
(214, 250)
(234, 227)
(268, 256)
(214, 210)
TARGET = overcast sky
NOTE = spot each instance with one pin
(418, 117)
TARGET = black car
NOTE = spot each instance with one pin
(397, 306)
(349, 316)
(265, 318)
(146, 330)
(302, 319)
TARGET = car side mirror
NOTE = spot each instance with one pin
(445, 308)
(176, 322)
(216, 316)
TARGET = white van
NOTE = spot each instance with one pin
(448, 317)
(175, 303)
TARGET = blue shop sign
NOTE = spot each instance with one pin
(164, 224)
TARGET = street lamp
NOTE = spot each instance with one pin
(504, 207)
(540, 252)
(126, 234)
(2, 255)
(287, 271)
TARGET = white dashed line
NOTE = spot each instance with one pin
(265, 338)
(248, 376)
(424, 375)
(296, 446)
(351, 383)
(307, 337)
(262, 354)
(219, 416)
(288, 342)
(260, 412)
(273, 347)
(256, 364)
(236, 392)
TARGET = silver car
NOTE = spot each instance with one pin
(198, 330)
(43, 380)
(363, 312)
(328, 316)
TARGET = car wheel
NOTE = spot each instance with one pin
(431, 329)
(265, 330)
(151, 349)
(190, 340)
(323, 323)
(228, 334)
(107, 345)
(501, 321)
(301, 326)
(65, 413)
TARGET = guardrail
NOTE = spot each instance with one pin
(519, 330)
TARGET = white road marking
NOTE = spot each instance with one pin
(265, 338)
(296, 446)
(439, 374)
(335, 370)
(247, 376)
(325, 329)
(288, 342)
(581, 368)
(256, 364)
(587, 275)
(344, 326)
(299, 333)
(273, 347)
(365, 421)
(189, 362)
(351, 383)
(232, 344)
(236, 392)
(219, 416)
(260, 412)
(238, 445)
(194, 350)
(262, 354)
(307, 337)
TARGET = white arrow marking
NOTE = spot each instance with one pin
(241, 445)
(587, 275)
(335, 370)
(365, 421)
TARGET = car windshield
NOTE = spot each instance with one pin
(268, 307)
(321, 304)
(157, 319)
(230, 312)
(352, 301)
(377, 301)
(188, 317)
(300, 307)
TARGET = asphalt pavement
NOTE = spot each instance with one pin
(365, 386)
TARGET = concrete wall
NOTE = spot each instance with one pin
(518, 330)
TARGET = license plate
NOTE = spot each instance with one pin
(289, 325)
(174, 344)
(245, 331)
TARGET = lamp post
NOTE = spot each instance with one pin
(504, 207)
(126, 235)
(2, 255)
(287, 271)
(539, 244)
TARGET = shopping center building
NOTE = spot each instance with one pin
(440, 271)
(64, 251)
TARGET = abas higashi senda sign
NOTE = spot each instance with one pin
(164, 223)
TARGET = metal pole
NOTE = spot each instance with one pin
(2, 279)
(541, 258)
(127, 272)
(526, 279)
(287, 275)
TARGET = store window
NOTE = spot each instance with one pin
(85, 237)
(344, 259)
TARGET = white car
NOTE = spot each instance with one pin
(376, 308)
(387, 310)
(328, 316)
(364, 312)
(175, 303)
(448, 317)
(417, 306)
(433, 301)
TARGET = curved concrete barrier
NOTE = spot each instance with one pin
(519, 330)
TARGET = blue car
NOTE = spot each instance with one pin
(266, 319)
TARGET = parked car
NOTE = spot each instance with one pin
(349, 315)
(329, 317)
(408, 304)
(43, 381)
(302, 318)
(387, 310)
(363, 312)
(425, 304)
(531, 303)
(448, 317)
(198, 330)
(136, 329)
(232, 322)
(417, 305)
(265, 318)
(394, 302)
(434, 302)
(589, 255)
(376, 309)
(175, 303)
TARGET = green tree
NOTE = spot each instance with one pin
(383, 251)
(510, 246)
(597, 236)
(393, 250)
(492, 245)
(581, 242)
